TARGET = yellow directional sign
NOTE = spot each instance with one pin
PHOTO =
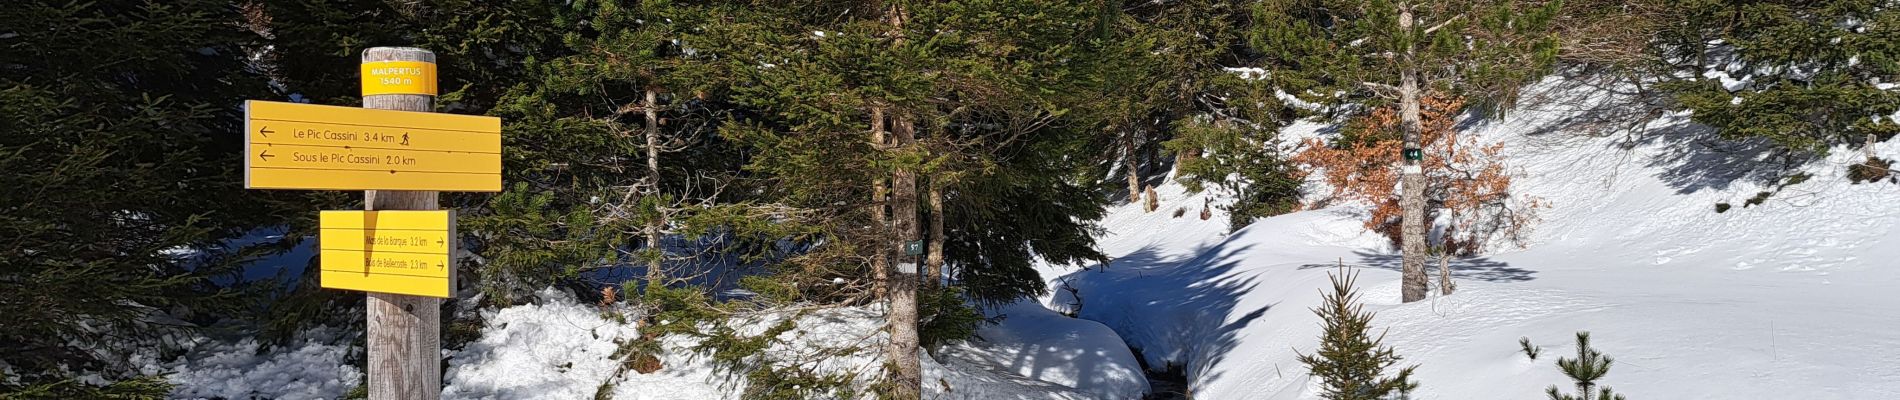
(401, 252)
(303, 146)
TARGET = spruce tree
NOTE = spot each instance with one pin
(889, 101)
(1804, 75)
(1354, 55)
(1589, 366)
(1351, 363)
(118, 124)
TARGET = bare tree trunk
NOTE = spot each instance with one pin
(1153, 202)
(933, 264)
(655, 275)
(1183, 157)
(1132, 167)
(907, 375)
(1412, 179)
(880, 261)
(1445, 287)
(907, 372)
(1868, 148)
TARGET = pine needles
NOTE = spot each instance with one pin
(1351, 363)
(1589, 366)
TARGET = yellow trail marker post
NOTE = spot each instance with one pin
(404, 331)
(401, 155)
(400, 252)
(304, 146)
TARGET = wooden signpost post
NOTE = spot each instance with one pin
(400, 250)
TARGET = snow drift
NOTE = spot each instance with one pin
(1792, 297)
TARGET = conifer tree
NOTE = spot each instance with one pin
(1355, 53)
(626, 118)
(1351, 363)
(1804, 75)
(1589, 366)
(959, 95)
(118, 124)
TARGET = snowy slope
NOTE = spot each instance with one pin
(1036, 343)
(1792, 298)
(560, 349)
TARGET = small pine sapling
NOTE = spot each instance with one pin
(1529, 350)
(1589, 366)
(1351, 363)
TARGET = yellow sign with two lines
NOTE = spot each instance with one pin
(304, 146)
(398, 77)
(400, 252)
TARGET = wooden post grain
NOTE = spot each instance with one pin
(405, 361)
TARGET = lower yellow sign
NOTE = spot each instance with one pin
(400, 252)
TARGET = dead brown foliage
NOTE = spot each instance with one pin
(1464, 178)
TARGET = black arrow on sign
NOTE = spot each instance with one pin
(265, 131)
(265, 155)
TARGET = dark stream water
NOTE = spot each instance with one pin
(1166, 383)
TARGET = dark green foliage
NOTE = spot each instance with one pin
(139, 388)
(1722, 207)
(1529, 350)
(1162, 85)
(1759, 198)
(1351, 364)
(1002, 222)
(1242, 161)
(945, 317)
(1872, 170)
(1810, 70)
(1589, 366)
(1349, 53)
(118, 124)
(738, 355)
(531, 242)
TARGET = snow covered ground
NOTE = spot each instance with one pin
(312, 367)
(560, 349)
(1792, 298)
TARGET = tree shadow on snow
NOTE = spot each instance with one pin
(1696, 159)
(1585, 107)
(1470, 268)
(1174, 311)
